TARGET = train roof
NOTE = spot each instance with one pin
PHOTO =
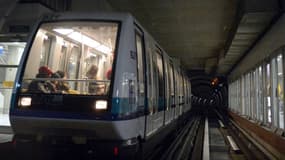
(88, 16)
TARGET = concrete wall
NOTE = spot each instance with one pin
(90, 5)
(273, 40)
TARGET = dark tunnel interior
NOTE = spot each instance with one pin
(208, 90)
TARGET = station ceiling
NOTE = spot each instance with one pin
(210, 36)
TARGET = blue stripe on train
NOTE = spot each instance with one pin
(122, 109)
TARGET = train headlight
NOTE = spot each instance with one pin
(25, 102)
(101, 105)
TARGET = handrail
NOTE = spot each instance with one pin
(60, 79)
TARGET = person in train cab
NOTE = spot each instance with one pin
(42, 86)
(109, 74)
(94, 87)
(61, 86)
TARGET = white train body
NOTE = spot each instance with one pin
(145, 91)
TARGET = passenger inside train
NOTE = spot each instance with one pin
(42, 86)
(61, 86)
(94, 86)
(73, 48)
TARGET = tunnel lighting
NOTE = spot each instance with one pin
(63, 31)
(101, 105)
(25, 101)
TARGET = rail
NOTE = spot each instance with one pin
(183, 144)
(206, 147)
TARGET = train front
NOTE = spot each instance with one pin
(64, 85)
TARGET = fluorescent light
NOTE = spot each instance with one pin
(83, 39)
(101, 104)
(45, 37)
(104, 49)
(63, 31)
(92, 54)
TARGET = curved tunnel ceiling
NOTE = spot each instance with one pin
(205, 93)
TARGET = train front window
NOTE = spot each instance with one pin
(71, 58)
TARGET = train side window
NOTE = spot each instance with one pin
(176, 87)
(151, 82)
(172, 92)
(140, 68)
(161, 86)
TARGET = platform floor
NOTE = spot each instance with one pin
(4, 120)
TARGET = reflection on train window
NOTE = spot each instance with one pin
(63, 56)
(171, 84)
(47, 44)
(72, 48)
(139, 49)
(159, 65)
(73, 65)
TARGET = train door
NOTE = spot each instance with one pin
(169, 93)
(180, 93)
(172, 90)
(140, 76)
(161, 85)
(155, 90)
(177, 93)
(140, 71)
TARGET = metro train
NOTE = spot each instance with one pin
(136, 96)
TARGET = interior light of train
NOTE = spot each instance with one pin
(92, 54)
(25, 101)
(279, 57)
(101, 105)
(90, 42)
(104, 49)
(1, 49)
(84, 39)
(45, 37)
(63, 31)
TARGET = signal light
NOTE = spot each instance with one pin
(215, 81)
(116, 151)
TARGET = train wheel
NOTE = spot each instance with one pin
(140, 152)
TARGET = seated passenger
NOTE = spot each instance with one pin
(61, 86)
(42, 86)
(93, 86)
(109, 74)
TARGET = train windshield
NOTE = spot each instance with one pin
(71, 58)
